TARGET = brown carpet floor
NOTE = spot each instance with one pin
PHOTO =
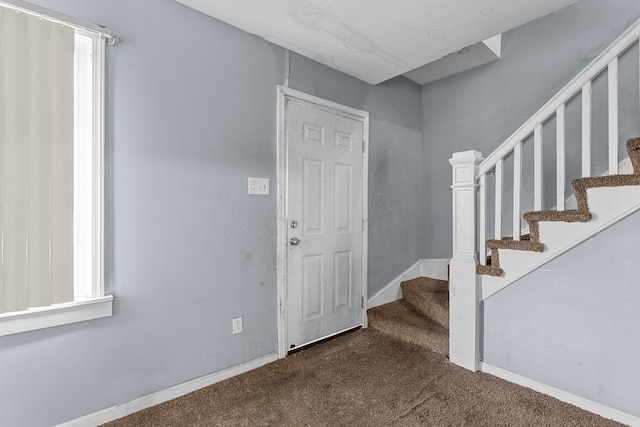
(364, 378)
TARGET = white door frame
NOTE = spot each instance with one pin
(361, 116)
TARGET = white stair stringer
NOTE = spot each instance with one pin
(608, 205)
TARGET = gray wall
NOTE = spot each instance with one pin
(572, 324)
(480, 108)
(191, 113)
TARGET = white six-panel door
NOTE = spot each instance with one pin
(324, 222)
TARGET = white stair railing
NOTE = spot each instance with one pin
(533, 131)
(472, 221)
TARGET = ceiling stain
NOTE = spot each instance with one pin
(317, 16)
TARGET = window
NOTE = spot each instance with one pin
(51, 170)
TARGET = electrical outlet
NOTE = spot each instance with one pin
(236, 325)
(259, 186)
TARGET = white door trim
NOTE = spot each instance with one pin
(362, 116)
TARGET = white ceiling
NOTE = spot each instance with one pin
(375, 40)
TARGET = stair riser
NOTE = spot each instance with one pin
(429, 308)
(414, 335)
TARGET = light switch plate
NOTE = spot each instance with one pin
(236, 325)
(259, 186)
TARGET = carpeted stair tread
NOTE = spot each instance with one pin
(489, 270)
(606, 181)
(518, 245)
(566, 216)
(582, 214)
(428, 296)
(402, 321)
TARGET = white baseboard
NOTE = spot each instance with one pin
(437, 268)
(144, 402)
(392, 291)
(434, 268)
(580, 402)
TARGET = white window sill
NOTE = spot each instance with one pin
(55, 315)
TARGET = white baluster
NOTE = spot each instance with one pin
(497, 230)
(613, 117)
(482, 221)
(464, 295)
(517, 189)
(537, 168)
(586, 129)
(560, 158)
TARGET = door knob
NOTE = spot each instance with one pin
(294, 241)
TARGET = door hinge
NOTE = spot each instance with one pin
(361, 302)
(363, 147)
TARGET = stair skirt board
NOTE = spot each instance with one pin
(434, 268)
(170, 393)
(580, 402)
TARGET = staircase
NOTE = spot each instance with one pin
(556, 145)
(421, 317)
(564, 141)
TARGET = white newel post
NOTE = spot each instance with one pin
(464, 331)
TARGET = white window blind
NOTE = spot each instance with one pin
(36, 161)
(51, 169)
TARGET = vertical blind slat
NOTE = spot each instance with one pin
(14, 162)
(62, 166)
(3, 137)
(39, 168)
